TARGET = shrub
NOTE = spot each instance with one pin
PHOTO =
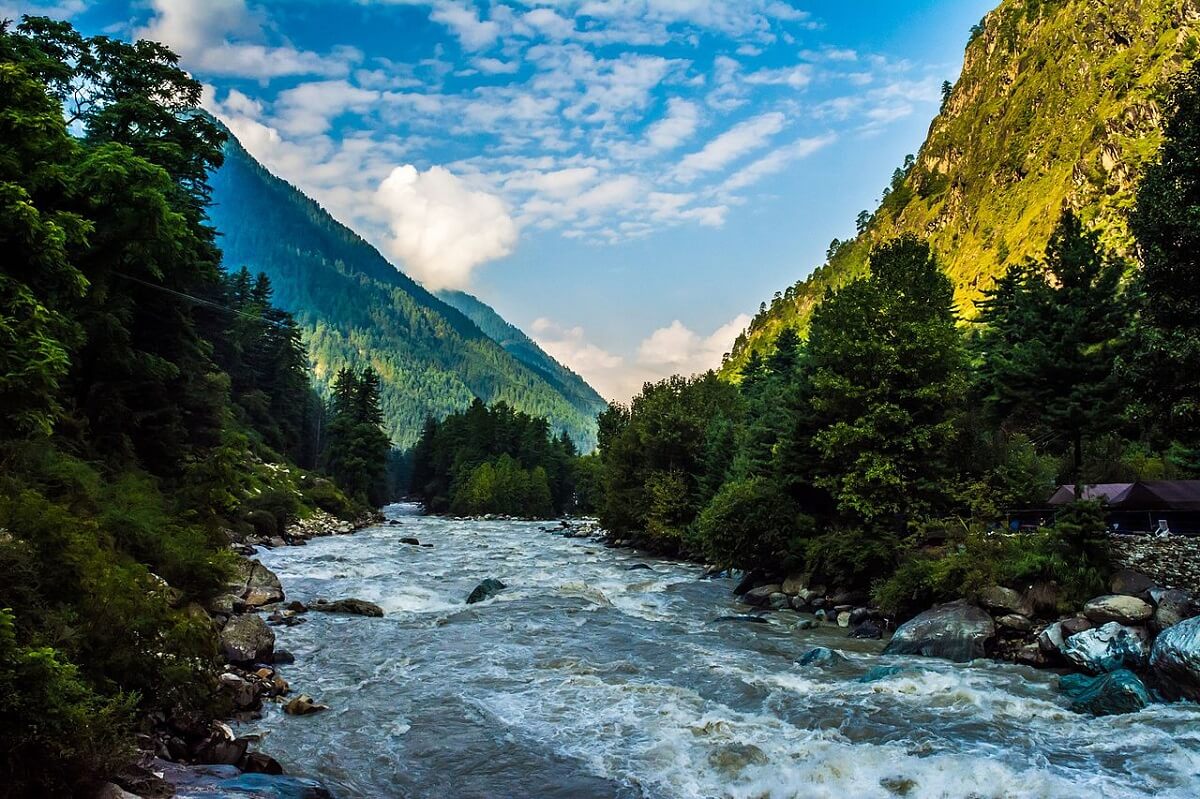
(749, 524)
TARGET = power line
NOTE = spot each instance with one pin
(202, 301)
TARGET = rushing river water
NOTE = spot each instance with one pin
(588, 679)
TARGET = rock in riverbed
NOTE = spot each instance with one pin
(1106, 695)
(350, 606)
(1126, 610)
(956, 631)
(245, 639)
(1107, 648)
(1175, 660)
(303, 705)
(485, 590)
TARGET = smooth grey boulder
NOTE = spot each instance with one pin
(794, 584)
(1002, 601)
(1108, 648)
(246, 639)
(956, 631)
(1015, 622)
(1175, 660)
(255, 584)
(1107, 695)
(1051, 639)
(350, 606)
(1171, 607)
(1127, 610)
(485, 590)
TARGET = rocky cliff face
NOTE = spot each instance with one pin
(1058, 105)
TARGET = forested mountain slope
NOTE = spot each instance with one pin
(524, 349)
(1059, 104)
(354, 307)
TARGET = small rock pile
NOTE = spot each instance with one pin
(576, 528)
(848, 609)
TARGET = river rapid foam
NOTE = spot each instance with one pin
(587, 679)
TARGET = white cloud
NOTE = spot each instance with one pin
(674, 349)
(441, 228)
(775, 161)
(472, 31)
(679, 124)
(739, 140)
(56, 9)
(226, 37)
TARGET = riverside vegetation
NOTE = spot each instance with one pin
(152, 410)
(878, 453)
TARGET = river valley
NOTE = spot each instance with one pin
(589, 678)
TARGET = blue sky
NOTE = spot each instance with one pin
(624, 179)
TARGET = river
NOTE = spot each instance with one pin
(588, 679)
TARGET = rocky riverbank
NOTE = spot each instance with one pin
(198, 757)
(1118, 653)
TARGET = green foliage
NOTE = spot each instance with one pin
(1072, 554)
(1054, 107)
(1167, 225)
(750, 523)
(70, 735)
(357, 447)
(494, 460)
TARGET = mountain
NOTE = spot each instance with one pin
(354, 307)
(524, 349)
(1058, 104)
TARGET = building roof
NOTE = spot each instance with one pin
(1142, 495)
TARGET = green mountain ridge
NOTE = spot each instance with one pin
(519, 345)
(355, 308)
(1058, 105)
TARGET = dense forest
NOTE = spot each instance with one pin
(500, 461)
(354, 306)
(880, 450)
(151, 406)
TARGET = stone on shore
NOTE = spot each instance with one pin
(350, 606)
(485, 590)
(762, 595)
(1003, 601)
(1175, 660)
(1126, 610)
(1108, 648)
(1130, 583)
(956, 631)
(247, 638)
(1171, 607)
(1107, 695)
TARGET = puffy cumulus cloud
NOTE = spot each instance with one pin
(473, 32)
(741, 139)
(684, 351)
(674, 349)
(226, 37)
(56, 9)
(441, 228)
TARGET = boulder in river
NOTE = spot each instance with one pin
(350, 606)
(956, 631)
(820, 656)
(246, 639)
(743, 617)
(1175, 660)
(485, 590)
(1110, 694)
(749, 580)
(1107, 648)
(303, 705)
(412, 542)
(1126, 610)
